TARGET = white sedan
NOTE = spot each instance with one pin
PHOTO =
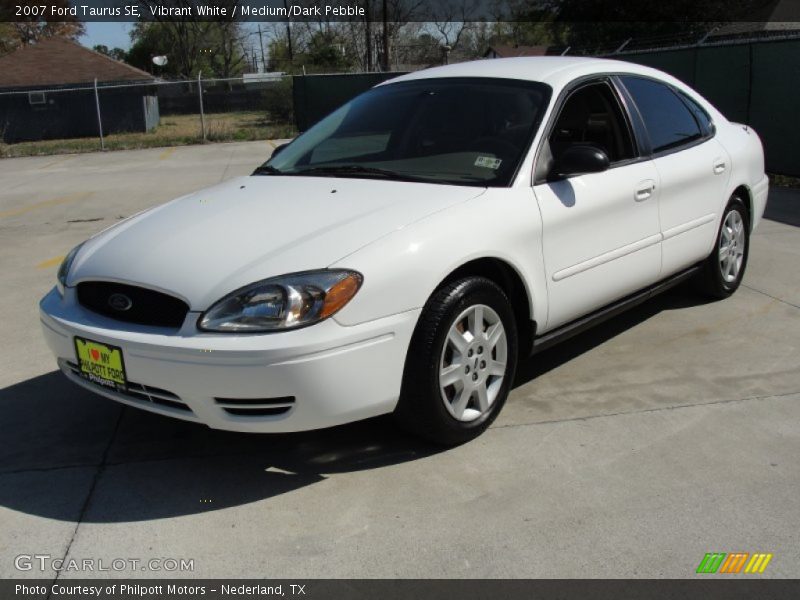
(403, 254)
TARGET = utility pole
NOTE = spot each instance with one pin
(289, 32)
(99, 118)
(368, 32)
(386, 46)
(261, 43)
(200, 97)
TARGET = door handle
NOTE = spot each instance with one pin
(645, 190)
(719, 166)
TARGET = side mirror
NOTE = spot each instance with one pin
(279, 149)
(579, 159)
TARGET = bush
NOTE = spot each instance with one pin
(279, 101)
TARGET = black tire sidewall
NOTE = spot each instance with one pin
(421, 393)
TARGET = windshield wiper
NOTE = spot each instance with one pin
(267, 170)
(356, 170)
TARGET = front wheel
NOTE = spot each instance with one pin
(460, 363)
(723, 270)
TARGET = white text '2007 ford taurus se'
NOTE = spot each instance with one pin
(404, 252)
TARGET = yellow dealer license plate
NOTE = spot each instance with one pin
(100, 363)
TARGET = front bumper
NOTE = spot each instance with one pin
(310, 378)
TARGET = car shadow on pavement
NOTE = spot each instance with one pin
(679, 297)
(69, 455)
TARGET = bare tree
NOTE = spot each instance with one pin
(395, 14)
(452, 20)
(368, 35)
(229, 48)
(353, 36)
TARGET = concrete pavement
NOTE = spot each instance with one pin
(630, 451)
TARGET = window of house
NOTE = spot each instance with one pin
(37, 98)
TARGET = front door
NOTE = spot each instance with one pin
(601, 237)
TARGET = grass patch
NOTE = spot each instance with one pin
(784, 181)
(175, 130)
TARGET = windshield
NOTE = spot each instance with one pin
(457, 131)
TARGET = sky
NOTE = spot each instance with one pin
(113, 35)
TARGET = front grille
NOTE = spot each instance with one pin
(132, 304)
(141, 393)
(256, 407)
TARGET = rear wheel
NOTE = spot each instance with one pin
(723, 270)
(460, 363)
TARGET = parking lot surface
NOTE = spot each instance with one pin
(629, 451)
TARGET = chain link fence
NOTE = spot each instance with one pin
(156, 113)
(751, 78)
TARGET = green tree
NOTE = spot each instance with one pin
(14, 34)
(327, 52)
(315, 49)
(225, 42)
(279, 59)
(115, 53)
(215, 48)
(149, 40)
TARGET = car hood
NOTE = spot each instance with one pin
(207, 244)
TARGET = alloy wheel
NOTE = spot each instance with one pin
(732, 246)
(473, 363)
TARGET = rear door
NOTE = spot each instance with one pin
(692, 166)
(601, 238)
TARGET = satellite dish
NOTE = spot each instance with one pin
(159, 61)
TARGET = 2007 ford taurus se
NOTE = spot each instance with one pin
(403, 253)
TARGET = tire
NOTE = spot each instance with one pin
(454, 413)
(720, 276)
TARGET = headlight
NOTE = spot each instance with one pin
(282, 303)
(63, 270)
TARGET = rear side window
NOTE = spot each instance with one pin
(699, 113)
(669, 121)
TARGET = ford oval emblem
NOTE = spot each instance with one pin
(120, 302)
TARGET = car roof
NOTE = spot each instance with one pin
(555, 71)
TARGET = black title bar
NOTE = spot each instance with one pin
(641, 11)
(702, 588)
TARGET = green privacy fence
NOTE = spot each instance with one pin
(757, 83)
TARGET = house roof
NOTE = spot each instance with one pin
(515, 51)
(57, 61)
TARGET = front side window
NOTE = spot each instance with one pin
(592, 115)
(668, 120)
(470, 131)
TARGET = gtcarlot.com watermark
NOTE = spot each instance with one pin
(47, 563)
